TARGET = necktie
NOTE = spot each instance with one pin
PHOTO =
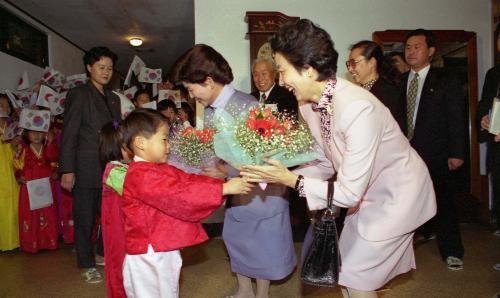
(262, 99)
(412, 101)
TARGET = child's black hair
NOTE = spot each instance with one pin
(189, 111)
(3, 95)
(141, 122)
(165, 105)
(139, 92)
(111, 142)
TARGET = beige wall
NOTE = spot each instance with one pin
(220, 23)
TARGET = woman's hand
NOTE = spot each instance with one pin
(68, 181)
(485, 122)
(236, 186)
(21, 180)
(273, 172)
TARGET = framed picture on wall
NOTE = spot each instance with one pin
(22, 40)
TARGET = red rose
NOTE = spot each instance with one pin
(251, 124)
(253, 113)
(187, 131)
(274, 122)
(280, 130)
(205, 139)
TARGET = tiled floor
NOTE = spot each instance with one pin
(206, 273)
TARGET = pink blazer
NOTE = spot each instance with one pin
(380, 177)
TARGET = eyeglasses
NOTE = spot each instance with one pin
(352, 63)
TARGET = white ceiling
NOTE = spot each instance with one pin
(167, 26)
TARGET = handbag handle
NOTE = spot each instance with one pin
(329, 194)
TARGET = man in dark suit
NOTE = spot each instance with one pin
(87, 108)
(491, 89)
(268, 92)
(435, 107)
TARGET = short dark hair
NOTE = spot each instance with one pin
(95, 54)
(304, 44)
(111, 142)
(141, 122)
(371, 49)
(165, 105)
(139, 92)
(200, 62)
(189, 111)
(430, 38)
(3, 95)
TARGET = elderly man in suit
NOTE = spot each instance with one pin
(88, 107)
(435, 109)
(268, 92)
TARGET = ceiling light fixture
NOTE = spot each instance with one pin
(135, 41)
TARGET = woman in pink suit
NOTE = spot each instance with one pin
(380, 178)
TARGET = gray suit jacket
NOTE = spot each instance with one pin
(85, 113)
(258, 204)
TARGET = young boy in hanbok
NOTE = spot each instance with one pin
(163, 207)
(37, 227)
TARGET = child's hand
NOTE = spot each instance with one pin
(21, 180)
(237, 186)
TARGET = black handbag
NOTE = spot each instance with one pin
(322, 261)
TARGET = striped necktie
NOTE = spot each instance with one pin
(263, 98)
(411, 104)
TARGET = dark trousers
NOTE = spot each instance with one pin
(445, 223)
(495, 184)
(86, 206)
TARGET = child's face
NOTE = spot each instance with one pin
(36, 137)
(143, 98)
(156, 147)
(4, 105)
(169, 113)
(203, 93)
(183, 115)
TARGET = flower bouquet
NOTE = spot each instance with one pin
(258, 134)
(192, 149)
